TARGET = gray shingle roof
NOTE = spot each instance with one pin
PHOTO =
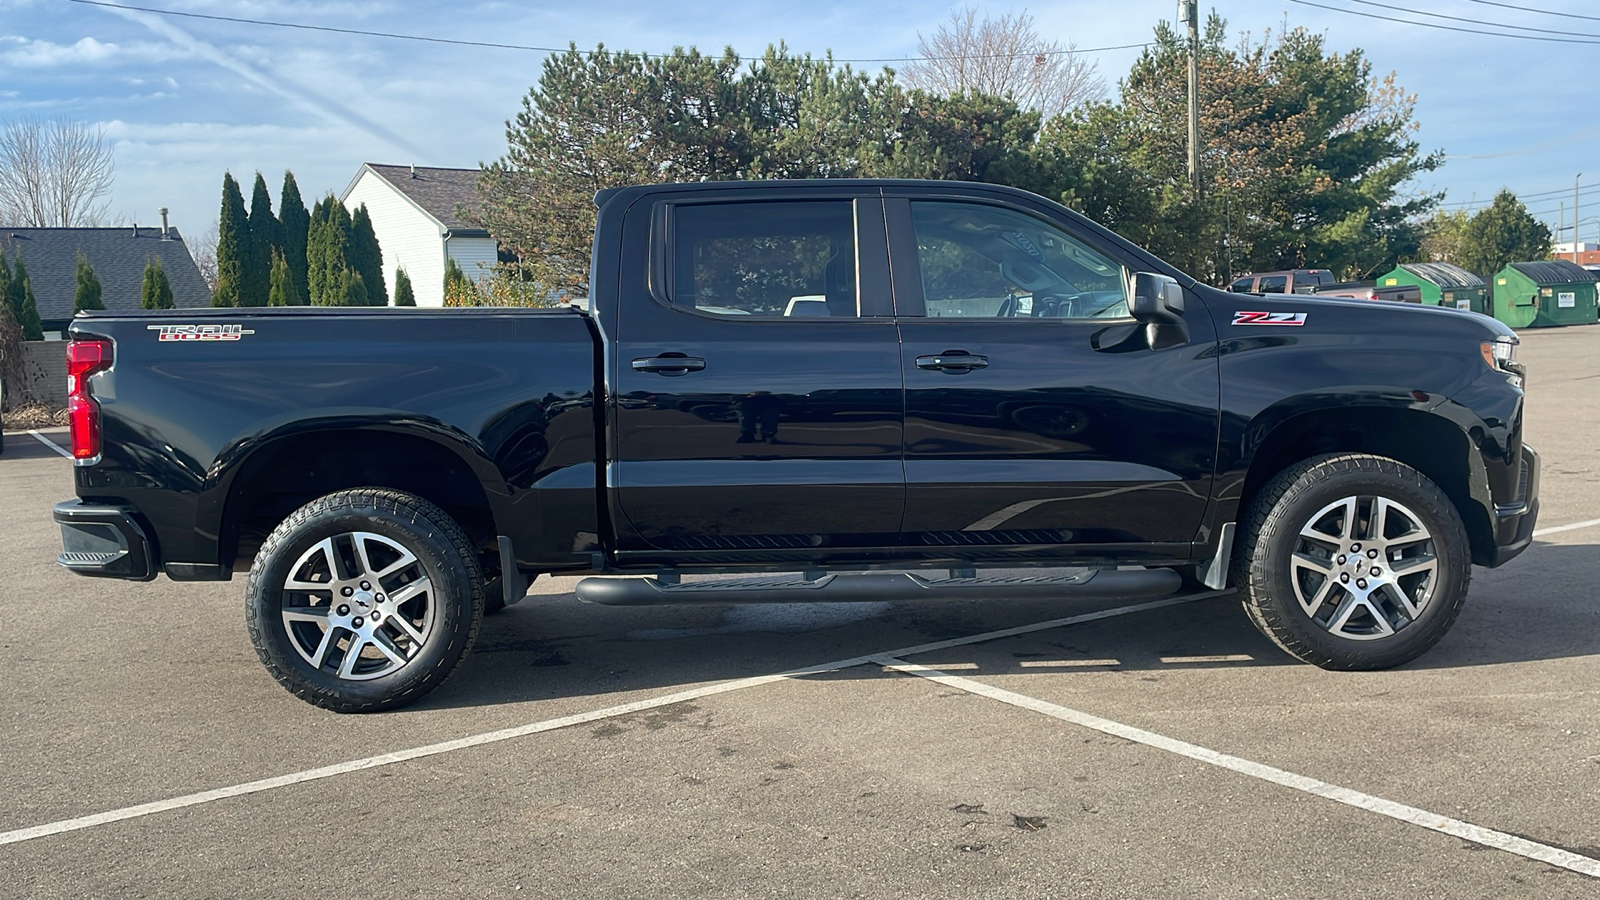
(1443, 274)
(440, 192)
(1555, 271)
(117, 256)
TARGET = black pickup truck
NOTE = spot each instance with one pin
(827, 390)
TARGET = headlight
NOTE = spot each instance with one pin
(1500, 354)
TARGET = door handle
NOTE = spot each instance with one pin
(669, 365)
(954, 363)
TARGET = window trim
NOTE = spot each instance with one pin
(868, 233)
(905, 265)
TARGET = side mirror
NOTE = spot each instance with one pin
(1157, 299)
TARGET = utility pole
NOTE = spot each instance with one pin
(1189, 11)
(1575, 216)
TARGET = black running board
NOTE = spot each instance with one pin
(1093, 584)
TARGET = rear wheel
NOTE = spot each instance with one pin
(1353, 562)
(364, 600)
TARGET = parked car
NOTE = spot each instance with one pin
(1363, 290)
(1287, 281)
(386, 476)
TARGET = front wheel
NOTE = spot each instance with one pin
(1353, 562)
(364, 600)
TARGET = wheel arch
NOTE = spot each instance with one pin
(261, 485)
(1425, 440)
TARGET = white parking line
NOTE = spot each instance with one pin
(505, 734)
(1467, 831)
(1557, 529)
(51, 444)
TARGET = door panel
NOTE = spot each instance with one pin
(781, 429)
(1051, 443)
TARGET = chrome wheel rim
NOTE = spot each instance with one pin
(1364, 567)
(358, 606)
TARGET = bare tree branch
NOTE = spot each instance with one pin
(54, 173)
(1005, 57)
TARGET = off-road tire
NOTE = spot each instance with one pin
(1263, 573)
(445, 555)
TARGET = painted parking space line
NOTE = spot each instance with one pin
(505, 734)
(51, 444)
(1557, 529)
(1466, 831)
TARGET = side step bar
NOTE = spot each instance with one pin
(880, 586)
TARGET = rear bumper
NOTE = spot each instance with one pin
(1514, 524)
(103, 541)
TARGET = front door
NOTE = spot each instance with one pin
(757, 410)
(1029, 430)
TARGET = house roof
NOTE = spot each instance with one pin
(1444, 274)
(1555, 271)
(118, 257)
(441, 193)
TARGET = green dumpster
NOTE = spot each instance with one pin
(1541, 294)
(1442, 284)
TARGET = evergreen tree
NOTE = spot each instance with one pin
(328, 252)
(282, 290)
(458, 288)
(10, 331)
(20, 296)
(294, 224)
(403, 294)
(352, 289)
(233, 245)
(1501, 234)
(264, 242)
(366, 257)
(156, 292)
(87, 295)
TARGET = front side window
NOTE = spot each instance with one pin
(1243, 285)
(769, 259)
(986, 262)
(1272, 285)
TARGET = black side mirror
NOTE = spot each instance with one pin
(1157, 299)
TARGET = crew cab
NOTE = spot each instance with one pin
(837, 390)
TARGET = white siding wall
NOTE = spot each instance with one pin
(408, 237)
(475, 256)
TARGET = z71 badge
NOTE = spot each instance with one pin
(200, 332)
(1269, 318)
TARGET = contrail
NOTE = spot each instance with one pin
(329, 109)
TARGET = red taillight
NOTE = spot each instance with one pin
(85, 356)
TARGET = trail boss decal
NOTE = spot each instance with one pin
(200, 332)
(1269, 318)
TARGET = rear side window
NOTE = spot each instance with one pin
(1242, 286)
(1274, 284)
(768, 259)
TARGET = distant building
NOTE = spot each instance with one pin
(417, 213)
(118, 257)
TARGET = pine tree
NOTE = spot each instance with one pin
(328, 252)
(23, 306)
(10, 331)
(353, 290)
(294, 223)
(282, 290)
(366, 256)
(233, 245)
(403, 294)
(156, 292)
(88, 293)
(263, 242)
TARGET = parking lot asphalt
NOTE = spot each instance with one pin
(587, 751)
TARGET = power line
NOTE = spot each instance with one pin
(499, 46)
(1367, 15)
(1542, 12)
(1434, 15)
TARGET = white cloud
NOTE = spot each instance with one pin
(40, 54)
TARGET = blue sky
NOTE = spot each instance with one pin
(184, 99)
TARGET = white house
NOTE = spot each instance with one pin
(415, 213)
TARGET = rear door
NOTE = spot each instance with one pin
(758, 401)
(1022, 437)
